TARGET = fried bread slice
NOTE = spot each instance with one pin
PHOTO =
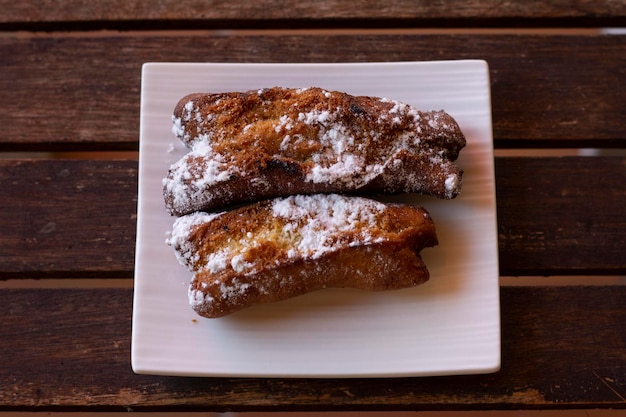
(277, 249)
(249, 146)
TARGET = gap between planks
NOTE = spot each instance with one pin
(505, 281)
(134, 155)
(313, 32)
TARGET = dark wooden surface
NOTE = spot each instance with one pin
(120, 14)
(68, 218)
(54, 361)
(561, 215)
(77, 218)
(67, 86)
(69, 93)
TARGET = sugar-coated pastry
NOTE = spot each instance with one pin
(284, 247)
(254, 145)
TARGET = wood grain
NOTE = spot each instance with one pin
(561, 215)
(78, 217)
(84, 93)
(74, 217)
(70, 350)
(169, 14)
(66, 86)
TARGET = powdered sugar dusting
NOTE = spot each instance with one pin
(191, 176)
(452, 183)
(198, 298)
(310, 227)
(177, 127)
(227, 254)
(316, 221)
(337, 142)
(180, 236)
(307, 134)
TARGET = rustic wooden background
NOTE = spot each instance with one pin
(69, 101)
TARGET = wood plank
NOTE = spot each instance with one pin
(73, 93)
(70, 350)
(78, 217)
(561, 215)
(75, 218)
(119, 14)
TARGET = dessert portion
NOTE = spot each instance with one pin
(254, 145)
(280, 248)
(269, 198)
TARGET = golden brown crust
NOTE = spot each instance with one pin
(285, 247)
(274, 142)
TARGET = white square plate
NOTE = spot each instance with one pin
(450, 325)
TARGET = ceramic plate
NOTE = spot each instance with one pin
(450, 325)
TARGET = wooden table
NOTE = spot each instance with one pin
(69, 101)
